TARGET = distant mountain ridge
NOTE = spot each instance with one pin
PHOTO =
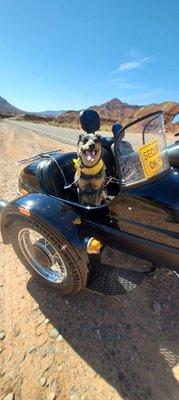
(7, 108)
(110, 112)
(124, 113)
(115, 109)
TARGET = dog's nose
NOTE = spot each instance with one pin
(91, 146)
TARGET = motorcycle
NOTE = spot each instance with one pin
(61, 241)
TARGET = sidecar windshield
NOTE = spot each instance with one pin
(140, 150)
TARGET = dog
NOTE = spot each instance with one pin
(90, 170)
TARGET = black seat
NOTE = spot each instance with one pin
(107, 142)
(55, 171)
(108, 156)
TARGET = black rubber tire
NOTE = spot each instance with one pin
(76, 275)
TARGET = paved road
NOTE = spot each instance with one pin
(65, 135)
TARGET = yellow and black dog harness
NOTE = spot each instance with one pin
(97, 170)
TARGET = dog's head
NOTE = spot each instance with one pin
(89, 149)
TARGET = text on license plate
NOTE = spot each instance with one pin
(151, 159)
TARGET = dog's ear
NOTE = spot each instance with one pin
(80, 137)
(98, 136)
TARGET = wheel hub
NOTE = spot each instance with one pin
(41, 256)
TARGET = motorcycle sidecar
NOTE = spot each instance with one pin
(55, 237)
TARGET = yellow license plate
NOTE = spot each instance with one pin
(151, 158)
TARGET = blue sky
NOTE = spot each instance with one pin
(63, 54)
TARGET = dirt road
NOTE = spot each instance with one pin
(65, 135)
(86, 347)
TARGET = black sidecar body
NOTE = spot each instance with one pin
(58, 239)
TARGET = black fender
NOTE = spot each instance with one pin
(49, 211)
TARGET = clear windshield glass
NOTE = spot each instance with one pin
(141, 150)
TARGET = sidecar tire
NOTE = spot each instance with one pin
(48, 248)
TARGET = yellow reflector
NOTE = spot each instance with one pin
(176, 372)
(77, 221)
(93, 246)
(24, 211)
(23, 192)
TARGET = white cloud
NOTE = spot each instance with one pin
(133, 64)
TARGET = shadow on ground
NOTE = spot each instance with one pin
(130, 340)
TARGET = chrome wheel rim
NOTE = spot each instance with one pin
(42, 256)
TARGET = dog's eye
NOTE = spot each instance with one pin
(85, 140)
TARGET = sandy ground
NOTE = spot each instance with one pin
(89, 346)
